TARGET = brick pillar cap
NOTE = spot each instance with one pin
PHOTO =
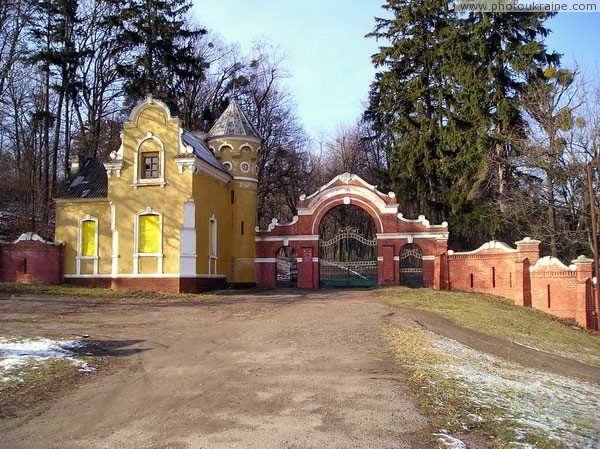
(528, 241)
(582, 260)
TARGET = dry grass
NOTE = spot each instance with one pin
(72, 290)
(37, 384)
(500, 318)
(449, 400)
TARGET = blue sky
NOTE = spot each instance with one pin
(329, 57)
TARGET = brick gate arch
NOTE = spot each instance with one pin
(393, 232)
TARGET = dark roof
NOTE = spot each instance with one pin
(233, 122)
(201, 150)
(90, 182)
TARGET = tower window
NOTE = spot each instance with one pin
(232, 196)
(242, 228)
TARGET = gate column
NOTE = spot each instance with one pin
(385, 265)
(306, 271)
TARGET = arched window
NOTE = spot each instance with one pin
(148, 238)
(149, 234)
(149, 162)
(87, 246)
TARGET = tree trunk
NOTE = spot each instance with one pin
(551, 216)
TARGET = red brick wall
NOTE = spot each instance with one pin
(562, 291)
(520, 275)
(31, 262)
(490, 272)
(266, 274)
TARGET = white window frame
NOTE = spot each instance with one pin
(212, 245)
(80, 256)
(138, 181)
(136, 237)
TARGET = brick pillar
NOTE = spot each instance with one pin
(385, 265)
(305, 269)
(522, 283)
(585, 313)
(528, 249)
(528, 253)
(440, 266)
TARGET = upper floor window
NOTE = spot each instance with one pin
(150, 166)
(149, 162)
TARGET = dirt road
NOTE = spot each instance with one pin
(257, 371)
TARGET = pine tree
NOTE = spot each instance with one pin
(158, 39)
(447, 101)
(405, 100)
(509, 56)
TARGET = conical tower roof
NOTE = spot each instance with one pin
(233, 122)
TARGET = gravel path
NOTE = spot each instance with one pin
(260, 371)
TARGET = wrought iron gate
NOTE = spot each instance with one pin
(411, 266)
(348, 259)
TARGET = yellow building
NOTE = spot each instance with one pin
(171, 210)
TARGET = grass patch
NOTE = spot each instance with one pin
(108, 295)
(103, 293)
(451, 401)
(501, 318)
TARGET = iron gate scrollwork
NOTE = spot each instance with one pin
(411, 266)
(348, 259)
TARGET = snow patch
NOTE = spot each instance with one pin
(16, 354)
(449, 441)
(558, 407)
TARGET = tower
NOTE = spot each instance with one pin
(235, 142)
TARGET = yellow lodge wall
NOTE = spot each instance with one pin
(68, 214)
(243, 265)
(212, 198)
(165, 200)
(244, 211)
(181, 176)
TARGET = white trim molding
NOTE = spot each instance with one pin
(115, 239)
(197, 166)
(187, 240)
(411, 236)
(289, 238)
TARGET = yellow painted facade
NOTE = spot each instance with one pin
(177, 211)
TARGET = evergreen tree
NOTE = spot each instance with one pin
(508, 56)
(159, 42)
(447, 100)
(405, 100)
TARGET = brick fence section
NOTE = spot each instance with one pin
(31, 260)
(521, 275)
